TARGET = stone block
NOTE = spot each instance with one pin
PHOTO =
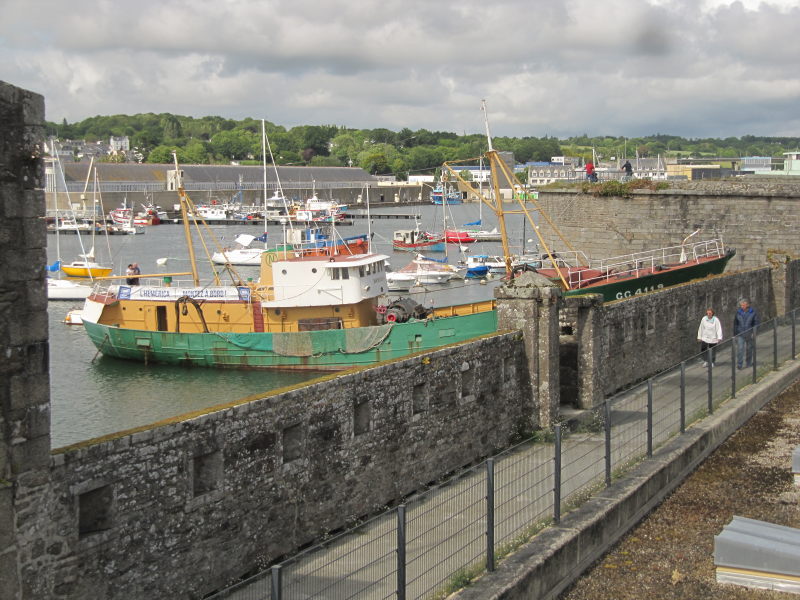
(9, 582)
(31, 455)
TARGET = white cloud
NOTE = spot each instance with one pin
(716, 68)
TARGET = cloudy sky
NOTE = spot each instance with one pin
(545, 67)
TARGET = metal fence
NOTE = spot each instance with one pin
(443, 538)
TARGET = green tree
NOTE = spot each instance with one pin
(171, 127)
(195, 152)
(236, 143)
(160, 155)
(325, 161)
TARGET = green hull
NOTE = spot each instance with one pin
(331, 349)
(633, 286)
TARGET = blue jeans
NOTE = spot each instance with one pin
(744, 350)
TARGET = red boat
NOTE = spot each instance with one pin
(453, 236)
(414, 240)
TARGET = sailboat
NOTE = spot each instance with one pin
(62, 289)
(87, 266)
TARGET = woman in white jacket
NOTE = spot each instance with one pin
(709, 334)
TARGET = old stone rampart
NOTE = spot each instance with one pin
(650, 333)
(184, 507)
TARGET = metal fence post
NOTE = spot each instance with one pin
(607, 425)
(683, 397)
(775, 344)
(490, 515)
(649, 417)
(277, 583)
(754, 341)
(401, 552)
(793, 333)
(709, 376)
(557, 477)
(733, 367)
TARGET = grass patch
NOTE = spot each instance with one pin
(458, 581)
(577, 498)
(622, 189)
(527, 534)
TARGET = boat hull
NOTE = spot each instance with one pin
(327, 350)
(423, 246)
(61, 289)
(86, 271)
(634, 286)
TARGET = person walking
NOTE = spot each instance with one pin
(590, 174)
(628, 168)
(744, 323)
(709, 334)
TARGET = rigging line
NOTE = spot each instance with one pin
(278, 179)
(69, 203)
(103, 214)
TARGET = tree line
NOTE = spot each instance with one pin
(216, 140)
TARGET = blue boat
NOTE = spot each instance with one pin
(452, 197)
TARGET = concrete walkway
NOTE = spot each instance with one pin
(446, 527)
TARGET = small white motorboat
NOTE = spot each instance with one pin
(400, 282)
(63, 289)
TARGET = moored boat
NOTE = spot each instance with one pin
(64, 289)
(414, 240)
(439, 196)
(86, 268)
(621, 277)
(455, 236)
(317, 312)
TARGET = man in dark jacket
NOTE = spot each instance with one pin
(628, 168)
(744, 323)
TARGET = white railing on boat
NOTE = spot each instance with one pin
(632, 265)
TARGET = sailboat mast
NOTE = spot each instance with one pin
(185, 218)
(264, 161)
(486, 123)
(55, 202)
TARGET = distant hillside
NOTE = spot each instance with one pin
(216, 140)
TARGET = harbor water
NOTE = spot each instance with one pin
(92, 395)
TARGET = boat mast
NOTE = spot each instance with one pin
(493, 157)
(497, 166)
(264, 161)
(185, 218)
(55, 202)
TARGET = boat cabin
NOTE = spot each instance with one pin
(322, 280)
(411, 236)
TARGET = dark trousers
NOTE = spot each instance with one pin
(705, 346)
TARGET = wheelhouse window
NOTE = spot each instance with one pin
(340, 273)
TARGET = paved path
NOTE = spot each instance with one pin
(446, 526)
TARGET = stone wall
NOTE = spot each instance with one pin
(636, 338)
(187, 506)
(24, 367)
(756, 219)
